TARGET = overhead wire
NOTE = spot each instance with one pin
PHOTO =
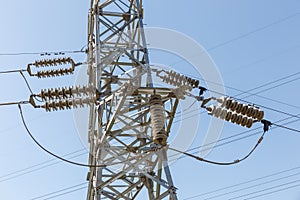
(246, 188)
(34, 168)
(222, 163)
(270, 188)
(46, 150)
(258, 87)
(253, 186)
(58, 195)
(191, 155)
(285, 127)
(12, 71)
(245, 35)
(245, 132)
(275, 191)
(58, 191)
(42, 53)
(243, 183)
(14, 103)
(278, 85)
(66, 160)
(234, 140)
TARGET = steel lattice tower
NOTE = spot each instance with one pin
(122, 136)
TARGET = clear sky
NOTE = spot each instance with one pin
(253, 42)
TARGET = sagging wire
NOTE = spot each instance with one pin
(266, 128)
(69, 161)
(46, 150)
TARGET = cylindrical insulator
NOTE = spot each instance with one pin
(211, 109)
(197, 83)
(254, 113)
(231, 104)
(238, 108)
(157, 112)
(244, 121)
(228, 116)
(249, 112)
(217, 112)
(260, 115)
(233, 117)
(249, 123)
(239, 119)
(244, 109)
(223, 114)
(222, 101)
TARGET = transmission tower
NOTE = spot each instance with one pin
(131, 119)
(128, 128)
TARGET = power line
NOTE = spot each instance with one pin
(44, 53)
(235, 140)
(59, 191)
(269, 83)
(275, 191)
(270, 188)
(253, 186)
(61, 158)
(66, 193)
(278, 85)
(46, 150)
(243, 183)
(13, 71)
(222, 163)
(244, 137)
(258, 87)
(34, 168)
(245, 35)
(285, 127)
(14, 103)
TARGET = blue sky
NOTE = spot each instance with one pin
(252, 42)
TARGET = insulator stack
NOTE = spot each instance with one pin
(231, 110)
(176, 79)
(50, 63)
(244, 109)
(66, 92)
(157, 112)
(65, 98)
(228, 115)
(53, 62)
(67, 104)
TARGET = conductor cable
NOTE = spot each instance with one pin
(222, 163)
